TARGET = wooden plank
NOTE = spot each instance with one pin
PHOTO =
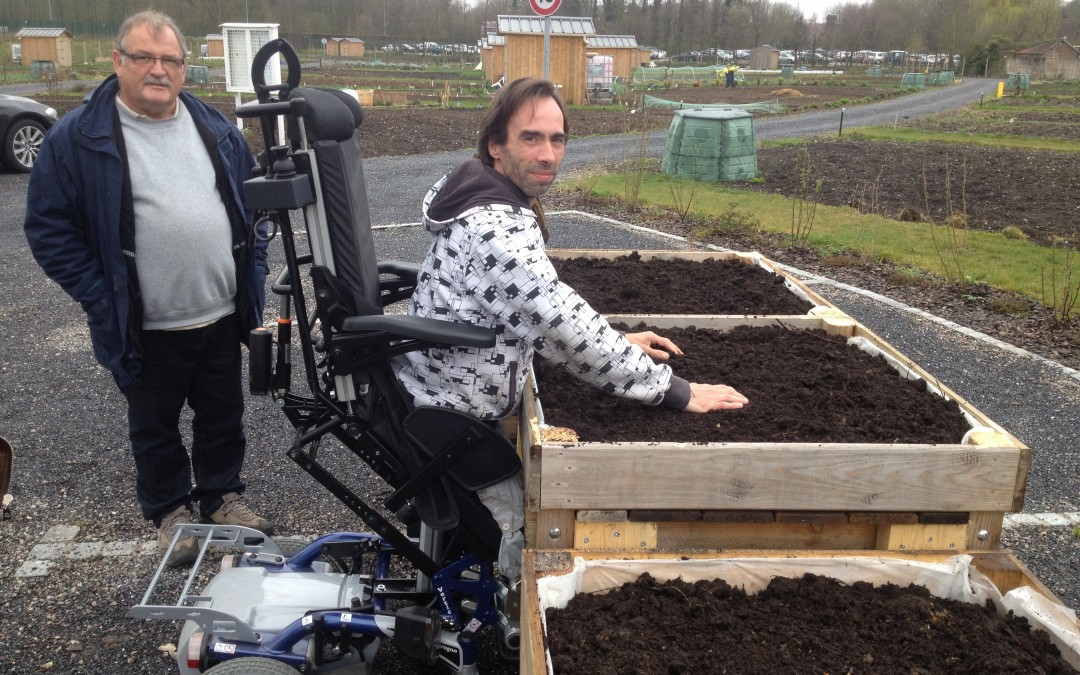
(778, 476)
(984, 531)
(531, 658)
(812, 517)
(738, 516)
(683, 537)
(601, 516)
(549, 529)
(832, 325)
(619, 536)
(922, 538)
(661, 516)
(883, 517)
(530, 448)
(1007, 572)
(958, 518)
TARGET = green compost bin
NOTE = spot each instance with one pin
(1018, 81)
(913, 80)
(712, 145)
(199, 74)
(42, 69)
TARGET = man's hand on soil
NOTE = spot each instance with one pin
(708, 397)
(657, 347)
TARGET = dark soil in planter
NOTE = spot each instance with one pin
(630, 285)
(808, 625)
(803, 386)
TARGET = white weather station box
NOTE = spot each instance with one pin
(241, 42)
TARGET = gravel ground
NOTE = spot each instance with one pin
(75, 516)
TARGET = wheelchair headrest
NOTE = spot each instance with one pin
(331, 115)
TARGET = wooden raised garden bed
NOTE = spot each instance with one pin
(623, 486)
(754, 611)
(674, 495)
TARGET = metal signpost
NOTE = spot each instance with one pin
(546, 8)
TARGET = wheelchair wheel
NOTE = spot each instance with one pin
(290, 546)
(250, 665)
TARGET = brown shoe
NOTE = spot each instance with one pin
(235, 511)
(186, 549)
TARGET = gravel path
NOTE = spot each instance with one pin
(76, 555)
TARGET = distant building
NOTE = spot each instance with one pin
(524, 51)
(345, 46)
(46, 44)
(623, 50)
(765, 57)
(215, 46)
(1053, 60)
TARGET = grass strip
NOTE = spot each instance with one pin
(971, 255)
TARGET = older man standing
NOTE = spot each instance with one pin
(135, 209)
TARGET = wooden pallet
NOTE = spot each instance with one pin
(715, 496)
(1000, 567)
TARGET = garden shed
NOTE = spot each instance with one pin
(215, 46)
(1052, 60)
(623, 50)
(46, 44)
(765, 57)
(524, 56)
(493, 55)
(345, 46)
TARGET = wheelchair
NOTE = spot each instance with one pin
(286, 606)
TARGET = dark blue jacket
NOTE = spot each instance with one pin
(73, 214)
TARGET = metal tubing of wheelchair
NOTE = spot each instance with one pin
(293, 263)
(401, 543)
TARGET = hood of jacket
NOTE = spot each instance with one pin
(471, 185)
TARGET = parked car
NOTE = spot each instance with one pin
(23, 123)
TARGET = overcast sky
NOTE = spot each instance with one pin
(808, 7)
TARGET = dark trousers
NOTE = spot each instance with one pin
(200, 367)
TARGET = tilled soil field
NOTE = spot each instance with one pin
(392, 131)
(1035, 191)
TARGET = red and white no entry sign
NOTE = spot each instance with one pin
(544, 7)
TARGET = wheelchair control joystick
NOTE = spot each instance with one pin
(283, 165)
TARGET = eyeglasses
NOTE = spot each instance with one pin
(145, 60)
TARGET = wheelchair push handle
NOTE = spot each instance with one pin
(296, 106)
(263, 56)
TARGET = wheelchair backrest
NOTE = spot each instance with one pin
(339, 223)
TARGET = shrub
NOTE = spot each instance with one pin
(1013, 232)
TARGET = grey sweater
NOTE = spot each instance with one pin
(183, 241)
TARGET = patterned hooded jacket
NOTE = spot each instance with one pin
(487, 266)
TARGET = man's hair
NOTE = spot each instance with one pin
(157, 21)
(506, 103)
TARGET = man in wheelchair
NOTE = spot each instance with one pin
(487, 267)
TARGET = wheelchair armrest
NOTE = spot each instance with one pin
(406, 271)
(397, 280)
(434, 331)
